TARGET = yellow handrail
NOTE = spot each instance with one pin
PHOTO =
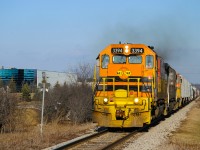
(94, 78)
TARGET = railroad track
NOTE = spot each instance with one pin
(101, 141)
(105, 140)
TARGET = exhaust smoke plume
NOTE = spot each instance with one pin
(172, 40)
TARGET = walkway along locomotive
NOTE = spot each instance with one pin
(134, 86)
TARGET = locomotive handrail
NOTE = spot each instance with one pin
(138, 85)
(128, 83)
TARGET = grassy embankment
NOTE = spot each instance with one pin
(26, 131)
(188, 135)
(52, 134)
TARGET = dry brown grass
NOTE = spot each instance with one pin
(183, 146)
(187, 137)
(52, 134)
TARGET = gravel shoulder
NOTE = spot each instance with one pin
(187, 136)
(166, 135)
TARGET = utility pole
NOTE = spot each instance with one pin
(43, 95)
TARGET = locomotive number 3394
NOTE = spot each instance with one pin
(117, 50)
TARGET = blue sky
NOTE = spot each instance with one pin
(57, 35)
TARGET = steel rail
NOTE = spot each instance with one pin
(71, 144)
(125, 138)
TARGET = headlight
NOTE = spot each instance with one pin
(105, 100)
(126, 49)
(136, 100)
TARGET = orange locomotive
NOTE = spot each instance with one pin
(134, 86)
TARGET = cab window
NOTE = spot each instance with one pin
(135, 59)
(119, 59)
(149, 61)
(105, 61)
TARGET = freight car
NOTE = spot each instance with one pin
(195, 92)
(134, 86)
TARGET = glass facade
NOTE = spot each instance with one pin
(20, 76)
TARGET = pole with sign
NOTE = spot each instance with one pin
(43, 95)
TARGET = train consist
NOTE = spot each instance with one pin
(135, 85)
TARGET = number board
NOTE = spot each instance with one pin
(117, 50)
(137, 50)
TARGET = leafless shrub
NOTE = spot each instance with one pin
(37, 95)
(56, 102)
(80, 103)
(71, 101)
(7, 108)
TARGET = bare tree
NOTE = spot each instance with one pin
(80, 102)
(84, 72)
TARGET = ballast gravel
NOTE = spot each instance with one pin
(158, 135)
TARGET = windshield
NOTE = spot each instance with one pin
(149, 61)
(135, 59)
(105, 61)
(119, 59)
